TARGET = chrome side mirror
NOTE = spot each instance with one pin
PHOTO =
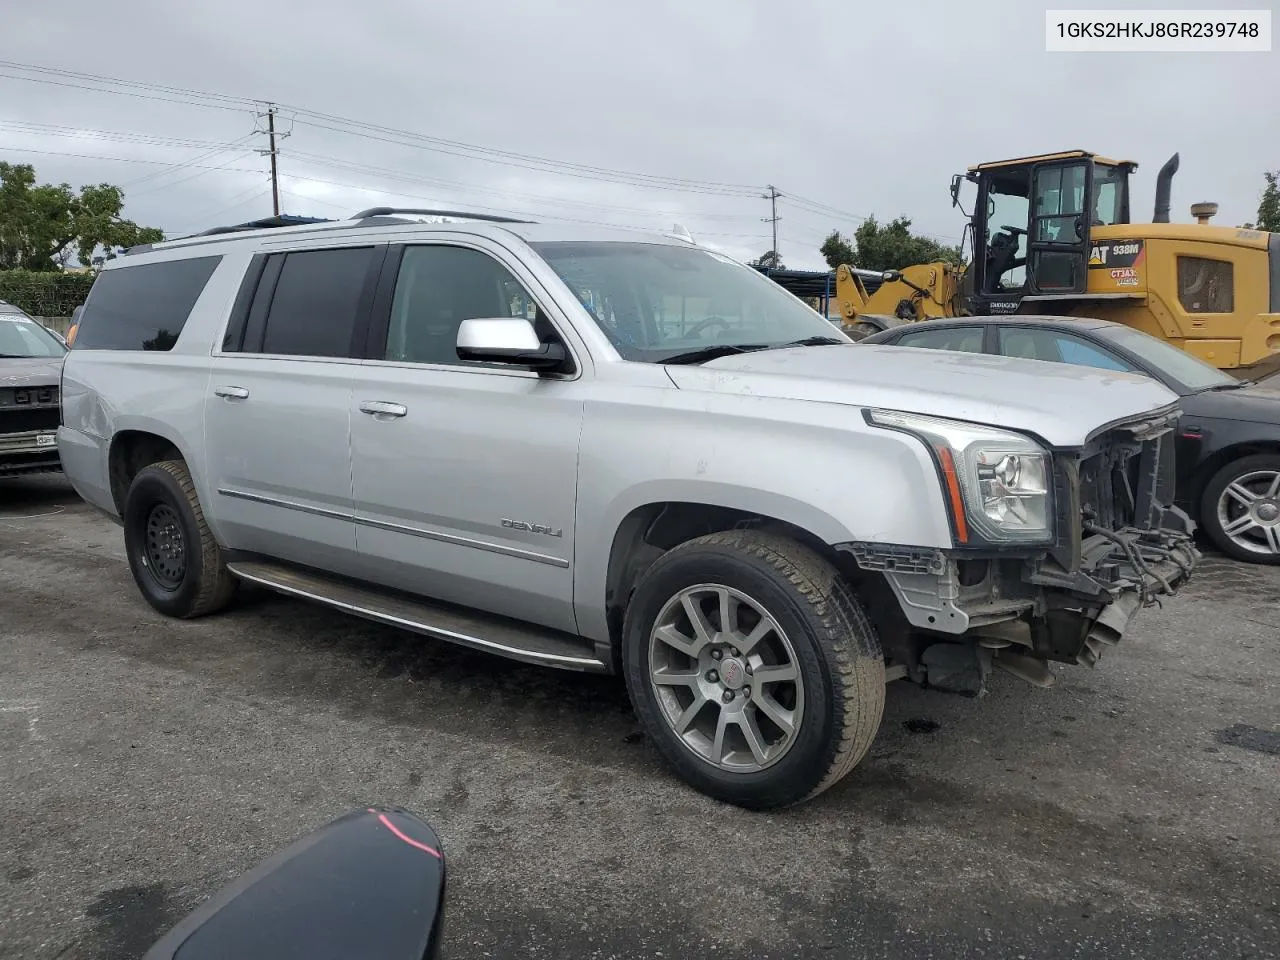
(507, 340)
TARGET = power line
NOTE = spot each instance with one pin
(473, 151)
(96, 156)
(51, 130)
(391, 174)
(190, 163)
(204, 171)
(388, 134)
(137, 84)
(239, 200)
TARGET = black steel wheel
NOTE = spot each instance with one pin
(175, 561)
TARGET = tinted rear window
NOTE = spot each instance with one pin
(313, 312)
(143, 307)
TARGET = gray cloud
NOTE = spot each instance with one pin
(867, 109)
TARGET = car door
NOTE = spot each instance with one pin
(278, 405)
(464, 474)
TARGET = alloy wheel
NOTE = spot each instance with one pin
(1249, 512)
(726, 678)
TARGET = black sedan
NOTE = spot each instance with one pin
(1228, 447)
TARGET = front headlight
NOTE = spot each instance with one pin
(996, 481)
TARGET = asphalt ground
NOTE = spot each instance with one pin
(1133, 810)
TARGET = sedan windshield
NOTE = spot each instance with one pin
(21, 337)
(1178, 365)
(660, 303)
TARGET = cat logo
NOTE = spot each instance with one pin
(1116, 253)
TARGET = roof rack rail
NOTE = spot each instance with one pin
(281, 220)
(419, 211)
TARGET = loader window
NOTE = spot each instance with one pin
(1109, 185)
(1059, 201)
(1205, 286)
(1008, 208)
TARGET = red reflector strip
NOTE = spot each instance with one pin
(382, 818)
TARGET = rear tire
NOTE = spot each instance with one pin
(790, 613)
(177, 564)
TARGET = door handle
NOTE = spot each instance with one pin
(380, 409)
(231, 393)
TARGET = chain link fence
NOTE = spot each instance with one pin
(45, 294)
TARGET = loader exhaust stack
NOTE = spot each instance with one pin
(1164, 183)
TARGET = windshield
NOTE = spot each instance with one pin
(655, 301)
(1176, 364)
(22, 337)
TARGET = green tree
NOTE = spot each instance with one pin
(837, 249)
(44, 227)
(1269, 207)
(890, 246)
(770, 259)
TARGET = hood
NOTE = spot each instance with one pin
(30, 371)
(1058, 402)
(1256, 403)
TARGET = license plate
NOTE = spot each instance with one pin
(47, 440)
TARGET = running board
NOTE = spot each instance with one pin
(507, 638)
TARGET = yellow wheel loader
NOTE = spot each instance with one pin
(1051, 234)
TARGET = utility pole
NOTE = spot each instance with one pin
(273, 152)
(773, 218)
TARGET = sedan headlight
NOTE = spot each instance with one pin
(996, 481)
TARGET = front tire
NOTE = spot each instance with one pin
(1240, 509)
(753, 668)
(175, 561)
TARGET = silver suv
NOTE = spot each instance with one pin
(612, 452)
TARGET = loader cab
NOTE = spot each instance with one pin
(1031, 224)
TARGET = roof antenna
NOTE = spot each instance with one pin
(681, 233)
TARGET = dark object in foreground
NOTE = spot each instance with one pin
(369, 884)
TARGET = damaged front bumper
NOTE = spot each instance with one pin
(967, 615)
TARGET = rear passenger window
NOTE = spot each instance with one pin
(317, 297)
(962, 339)
(142, 307)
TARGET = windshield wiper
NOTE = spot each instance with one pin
(19, 356)
(812, 342)
(716, 350)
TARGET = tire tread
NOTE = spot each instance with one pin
(847, 639)
(217, 584)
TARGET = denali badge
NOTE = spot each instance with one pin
(532, 527)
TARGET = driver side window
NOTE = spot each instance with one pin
(440, 286)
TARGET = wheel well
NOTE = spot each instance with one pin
(1217, 460)
(131, 450)
(649, 531)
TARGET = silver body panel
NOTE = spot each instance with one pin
(503, 491)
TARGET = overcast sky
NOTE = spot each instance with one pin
(866, 109)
